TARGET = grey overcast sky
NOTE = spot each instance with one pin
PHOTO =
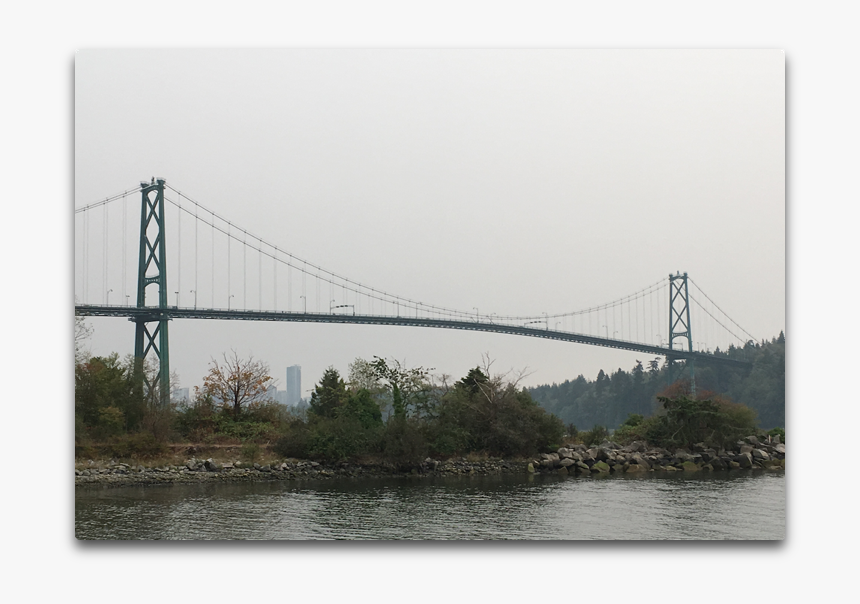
(512, 181)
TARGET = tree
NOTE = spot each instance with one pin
(238, 382)
(329, 395)
(82, 333)
(408, 386)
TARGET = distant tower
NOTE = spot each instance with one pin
(294, 385)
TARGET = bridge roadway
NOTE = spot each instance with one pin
(154, 313)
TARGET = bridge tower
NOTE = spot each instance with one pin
(679, 322)
(153, 260)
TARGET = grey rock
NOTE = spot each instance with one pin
(759, 454)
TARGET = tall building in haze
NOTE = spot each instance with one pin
(294, 385)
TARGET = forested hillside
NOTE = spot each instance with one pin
(611, 397)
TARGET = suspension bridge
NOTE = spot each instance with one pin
(215, 251)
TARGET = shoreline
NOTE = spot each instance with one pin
(577, 460)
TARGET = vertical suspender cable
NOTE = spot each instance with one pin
(104, 252)
(179, 248)
(196, 224)
(213, 259)
(260, 273)
(85, 254)
(275, 275)
(124, 228)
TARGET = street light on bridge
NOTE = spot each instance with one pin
(305, 304)
(194, 291)
(228, 300)
(107, 297)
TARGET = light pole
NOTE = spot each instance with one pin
(330, 305)
(305, 304)
(194, 291)
(127, 296)
(107, 297)
(177, 299)
(546, 319)
(228, 300)
(477, 315)
(607, 331)
(661, 339)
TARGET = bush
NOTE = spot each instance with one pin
(295, 442)
(141, 445)
(594, 436)
(251, 452)
(777, 432)
(718, 423)
(404, 444)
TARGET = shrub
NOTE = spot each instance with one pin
(251, 452)
(594, 436)
(404, 443)
(141, 445)
(295, 442)
(777, 432)
(717, 423)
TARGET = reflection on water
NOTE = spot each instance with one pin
(709, 506)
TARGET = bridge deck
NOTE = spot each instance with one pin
(155, 313)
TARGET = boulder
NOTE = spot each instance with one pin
(759, 454)
(640, 460)
(565, 453)
(530, 468)
(744, 460)
(689, 466)
(753, 440)
(633, 468)
(601, 467)
(779, 448)
(566, 462)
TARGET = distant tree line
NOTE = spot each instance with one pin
(611, 398)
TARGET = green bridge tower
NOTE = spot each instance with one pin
(153, 260)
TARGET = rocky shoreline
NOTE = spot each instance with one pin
(575, 460)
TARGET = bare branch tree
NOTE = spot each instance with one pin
(238, 382)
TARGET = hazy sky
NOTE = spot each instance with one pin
(514, 181)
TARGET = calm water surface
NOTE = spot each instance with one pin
(704, 506)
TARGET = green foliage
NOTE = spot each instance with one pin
(404, 442)
(140, 445)
(777, 432)
(107, 402)
(329, 395)
(685, 422)
(634, 419)
(251, 452)
(478, 415)
(610, 398)
(594, 436)
(295, 441)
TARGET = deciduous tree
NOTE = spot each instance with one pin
(238, 382)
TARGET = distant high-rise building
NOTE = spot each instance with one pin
(182, 394)
(294, 385)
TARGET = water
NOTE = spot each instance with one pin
(677, 506)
